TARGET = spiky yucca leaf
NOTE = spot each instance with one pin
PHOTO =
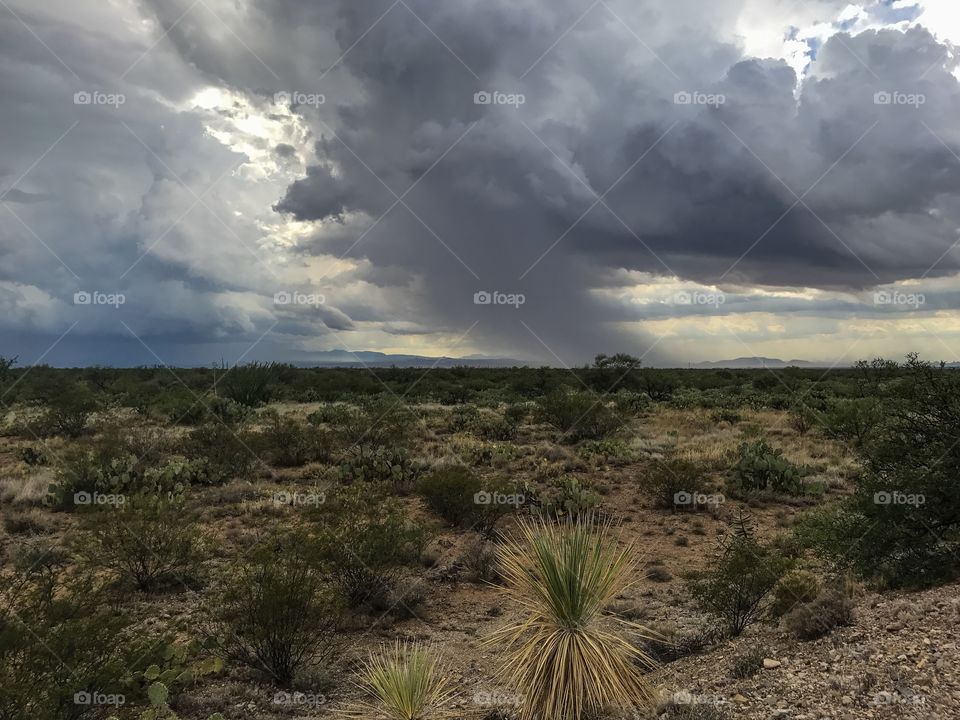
(560, 656)
(404, 682)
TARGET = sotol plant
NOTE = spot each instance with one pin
(561, 655)
(405, 682)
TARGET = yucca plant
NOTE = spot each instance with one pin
(405, 682)
(565, 660)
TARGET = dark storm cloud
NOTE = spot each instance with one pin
(809, 182)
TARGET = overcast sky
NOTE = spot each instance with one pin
(185, 181)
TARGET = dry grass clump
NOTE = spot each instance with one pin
(559, 654)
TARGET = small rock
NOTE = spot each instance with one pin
(770, 663)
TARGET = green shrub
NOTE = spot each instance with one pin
(33, 456)
(672, 481)
(747, 664)
(736, 587)
(569, 497)
(393, 467)
(832, 608)
(59, 638)
(248, 384)
(795, 588)
(852, 420)
(461, 498)
(225, 453)
(67, 409)
(288, 443)
(365, 541)
(605, 452)
(578, 415)
(901, 526)
(381, 421)
(763, 467)
(147, 542)
(275, 615)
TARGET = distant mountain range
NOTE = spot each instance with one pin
(765, 362)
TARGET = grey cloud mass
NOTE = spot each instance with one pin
(607, 142)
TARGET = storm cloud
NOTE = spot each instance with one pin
(398, 158)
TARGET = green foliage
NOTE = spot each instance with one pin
(275, 615)
(365, 541)
(736, 586)
(796, 587)
(461, 498)
(224, 452)
(901, 526)
(852, 420)
(670, 480)
(147, 542)
(605, 452)
(747, 664)
(60, 639)
(248, 384)
(763, 467)
(67, 408)
(830, 609)
(391, 466)
(569, 497)
(286, 442)
(578, 415)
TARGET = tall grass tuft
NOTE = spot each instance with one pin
(405, 682)
(565, 659)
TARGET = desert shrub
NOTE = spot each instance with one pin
(334, 414)
(761, 466)
(803, 419)
(26, 523)
(274, 614)
(562, 660)
(288, 443)
(578, 415)
(630, 404)
(672, 481)
(901, 526)
(747, 664)
(381, 421)
(392, 466)
(226, 453)
(568, 496)
(33, 455)
(67, 408)
(461, 498)
(248, 384)
(681, 708)
(738, 583)
(727, 415)
(464, 418)
(366, 541)
(479, 560)
(605, 452)
(830, 609)
(796, 587)
(852, 420)
(60, 639)
(147, 542)
(404, 682)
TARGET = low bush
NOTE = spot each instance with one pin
(736, 587)
(275, 615)
(578, 415)
(148, 542)
(675, 483)
(226, 453)
(248, 384)
(66, 410)
(366, 541)
(461, 498)
(830, 609)
(286, 442)
(763, 467)
(479, 560)
(391, 466)
(404, 682)
(747, 664)
(794, 588)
